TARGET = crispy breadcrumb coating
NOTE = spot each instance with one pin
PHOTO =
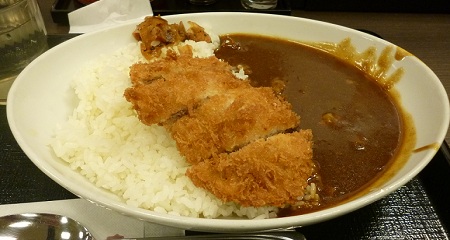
(230, 120)
(267, 172)
(170, 86)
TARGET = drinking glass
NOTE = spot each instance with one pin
(259, 4)
(22, 38)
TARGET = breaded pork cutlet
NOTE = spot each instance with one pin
(179, 85)
(145, 73)
(232, 133)
(267, 172)
(230, 120)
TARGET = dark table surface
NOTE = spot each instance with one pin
(418, 210)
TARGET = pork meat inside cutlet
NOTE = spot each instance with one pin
(266, 172)
(179, 85)
(230, 120)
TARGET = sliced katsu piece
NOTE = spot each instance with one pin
(178, 84)
(145, 73)
(266, 172)
(230, 120)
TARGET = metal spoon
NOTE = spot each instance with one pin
(43, 226)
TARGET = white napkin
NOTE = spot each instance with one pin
(100, 221)
(106, 13)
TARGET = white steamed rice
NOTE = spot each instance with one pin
(105, 142)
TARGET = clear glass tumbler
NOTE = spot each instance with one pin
(259, 4)
(22, 36)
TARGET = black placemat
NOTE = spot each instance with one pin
(21, 181)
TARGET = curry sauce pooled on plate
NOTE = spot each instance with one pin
(243, 137)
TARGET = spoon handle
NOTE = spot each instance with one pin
(277, 235)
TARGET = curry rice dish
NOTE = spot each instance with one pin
(231, 132)
(243, 140)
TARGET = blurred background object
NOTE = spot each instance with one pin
(259, 4)
(22, 38)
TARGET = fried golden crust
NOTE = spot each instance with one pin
(230, 120)
(266, 172)
(145, 73)
(172, 85)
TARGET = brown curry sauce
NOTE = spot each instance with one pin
(356, 124)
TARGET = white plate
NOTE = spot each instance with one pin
(41, 97)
